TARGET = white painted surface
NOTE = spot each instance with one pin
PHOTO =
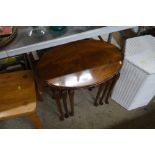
(136, 86)
(62, 40)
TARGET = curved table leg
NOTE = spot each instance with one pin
(71, 98)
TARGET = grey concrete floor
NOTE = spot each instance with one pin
(87, 116)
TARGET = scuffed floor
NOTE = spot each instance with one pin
(87, 116)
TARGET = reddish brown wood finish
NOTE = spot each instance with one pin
(64, 98)
(80, 64)
(57, 94)
(77, 65)
(100, 89)
(71, 98)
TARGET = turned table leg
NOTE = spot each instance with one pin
(64, 98)
(57, 99)
(112, 84)
(71, 98)
(108, 91)
(35, 120)
(103, 93)
(98, 94)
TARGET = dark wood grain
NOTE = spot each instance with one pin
(57, 96)
(80, 64)
(71, 98)
(77, 65)
(64, 98)
(98, 94)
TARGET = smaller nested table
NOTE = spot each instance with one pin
(76, 65)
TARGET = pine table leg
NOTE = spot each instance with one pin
(35, 120)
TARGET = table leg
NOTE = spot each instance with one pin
(64, 98)
(113, 82)
(98, 94)
(108, 91)
(103, 93)
(57, 99)
(35, 120)
(71, 98)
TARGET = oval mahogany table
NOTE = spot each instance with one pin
(79, 64)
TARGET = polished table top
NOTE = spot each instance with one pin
(24, 44)
(80, 64)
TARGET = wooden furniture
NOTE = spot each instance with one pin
(75, 65)
(18, 96)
